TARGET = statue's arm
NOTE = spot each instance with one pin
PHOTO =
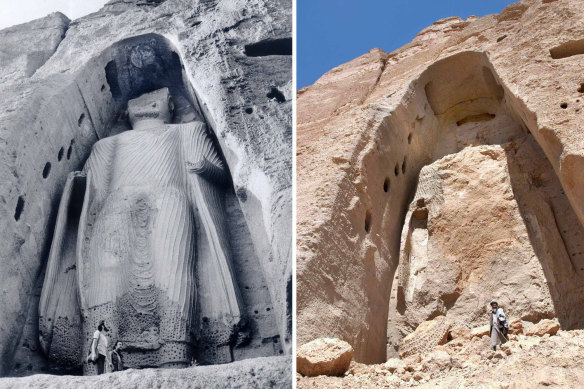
(207, 179)
(205, 168)
(201, 157)
(59, 297)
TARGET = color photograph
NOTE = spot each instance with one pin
(440, 194)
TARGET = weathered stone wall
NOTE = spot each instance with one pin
(366, 129)
(50, 118)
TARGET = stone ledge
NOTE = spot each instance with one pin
(270, 372)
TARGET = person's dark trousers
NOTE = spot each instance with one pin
(100, 364)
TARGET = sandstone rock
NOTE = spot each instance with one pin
(504, 219)
(411, 362)
(62, 92)
(428, 335)
(515, 327)
(460, 333)
(544, 327)
(480, 331)
(324, 357)
(26, 47)
(392, 364)
(437, 361)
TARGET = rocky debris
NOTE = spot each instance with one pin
(546, 326)
(426, 336)
(438, 360)
(324, 356)
(480, 331)
(516, 327)
(469, 362)
(392, 364)
(271, 372)
(459, 333)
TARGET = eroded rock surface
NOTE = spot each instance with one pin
(324, 357)
(427, 335)
(476, 231)
(523, 362)
(74, 93)
(272, 372)
(546, 326)
(499, 91)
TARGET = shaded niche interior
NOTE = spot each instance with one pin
(459, 104)
(143, 64)
(282, 46)
(126, 70)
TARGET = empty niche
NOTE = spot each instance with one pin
(368, 221)
(47, 170)
(386, 184)
(70, 149)
(60, 154)
(144, 64)
(404, 166)
(267, 47)
(396, 169)
(19, 208)
(568, 49)
(276, 94)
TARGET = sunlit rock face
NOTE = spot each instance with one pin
(229, 79)
(401, 156)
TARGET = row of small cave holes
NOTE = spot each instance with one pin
(46, 172)
(386, 185)
(275, 94)
(580, 90)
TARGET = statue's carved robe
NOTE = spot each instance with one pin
(132, 228)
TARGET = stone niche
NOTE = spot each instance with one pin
(93, 107)
(489, 218)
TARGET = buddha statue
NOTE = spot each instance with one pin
(138, 230)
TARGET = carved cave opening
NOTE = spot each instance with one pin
(127, 70)
(466, 123)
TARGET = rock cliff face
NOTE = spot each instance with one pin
(443, 175)
(65, 86)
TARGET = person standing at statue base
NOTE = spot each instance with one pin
(99, 347)
(116, 357)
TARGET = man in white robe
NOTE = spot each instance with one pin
(499, 326)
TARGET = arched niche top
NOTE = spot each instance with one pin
(462, 85)
(145, 63)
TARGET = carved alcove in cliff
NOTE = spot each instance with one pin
(124, 71)
(496, 223)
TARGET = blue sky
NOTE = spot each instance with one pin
(332, 32)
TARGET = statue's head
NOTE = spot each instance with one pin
(156, 105)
